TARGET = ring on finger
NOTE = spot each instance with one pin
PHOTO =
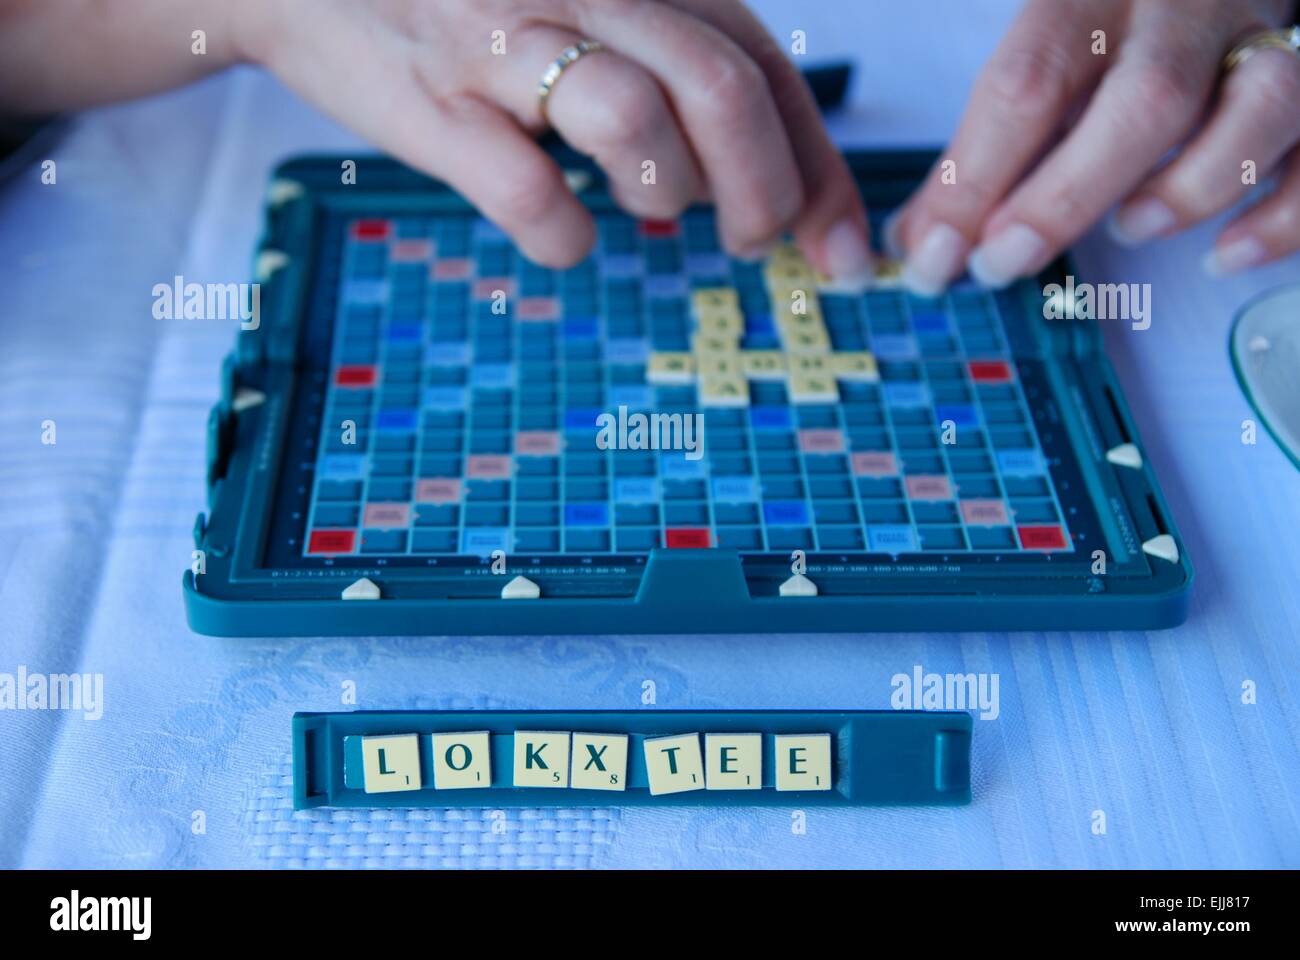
(1284, 38)
(555, 69)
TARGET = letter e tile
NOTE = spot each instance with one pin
(803, 761)
(733, 761)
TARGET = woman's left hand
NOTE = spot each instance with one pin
(1023, 179)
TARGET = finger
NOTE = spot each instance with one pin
(507, 176)
(1021, 101)
(1016, 110)
(608, 107)
(1265, 232)
(1146, 104)
(726, 108)
(1255, 123)
(832, 227)
(459, 138)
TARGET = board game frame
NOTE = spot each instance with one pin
(228, 590)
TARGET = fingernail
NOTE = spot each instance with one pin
(1140, 221)
(1010, 255)
(891, 233)
(846, 251)
(757, 253)
(936, 261)
(1235, 256)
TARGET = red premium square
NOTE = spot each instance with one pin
(370, 230)
(990, 371)
(1042, 538)
(332, 541)
(658, 228)
(355, 375)
(688, 538)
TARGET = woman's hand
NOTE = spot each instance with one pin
(696, 86)
(1057, 132)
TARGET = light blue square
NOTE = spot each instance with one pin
(621, 265)
(485, 231)
(444, 398)
(1020, 463)
(636, 490)
(634, 396)
(891, 539)
(365, 291)
(735, 489)
(660, 286)
(907, 395)
(492, 374)
(708, 265)
(893, 347)
(675, 466)
(481, 541)
(452, 354)
(625, 350)
(343, 466)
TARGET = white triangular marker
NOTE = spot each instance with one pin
(245, 398)
(521, 588)
(798, 586)
(578, 180)
(282, 191)
(1125, 455)
(1162, 546)
(269, 261)
(363, 589)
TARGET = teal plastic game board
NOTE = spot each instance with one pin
(427, 434)
(584, 758)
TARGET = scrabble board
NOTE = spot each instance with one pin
(426, 420)
(600, 757)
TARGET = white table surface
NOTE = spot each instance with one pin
(95, 532)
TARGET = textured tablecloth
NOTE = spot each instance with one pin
(189, 764)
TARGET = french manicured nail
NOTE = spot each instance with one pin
(1235, 257)
(936, 260)
(1011, 254)
(891, 234)
(1140, 221)
(756, 253)
(847, 253)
